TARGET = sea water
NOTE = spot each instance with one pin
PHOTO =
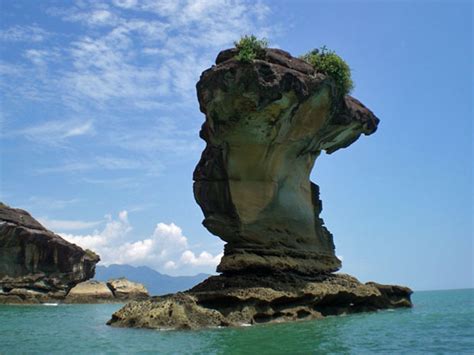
(439, 322)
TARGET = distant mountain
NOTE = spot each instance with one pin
(155, 282)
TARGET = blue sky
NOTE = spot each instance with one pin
(99, 127)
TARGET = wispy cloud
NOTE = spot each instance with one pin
(50, 203)
(114, 64)
(141, 51)
(105, 163)
(32, 33)
(57, 132)
(59, 225)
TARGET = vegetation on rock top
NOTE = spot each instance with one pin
(250, 48)
(323, 60)
(329, 63)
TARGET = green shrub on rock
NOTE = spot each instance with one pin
(250, 48)
(329, 63)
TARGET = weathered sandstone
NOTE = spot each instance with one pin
(115, 290)
(253, 299)
(266, 123)
(37, 265)
(125, 289)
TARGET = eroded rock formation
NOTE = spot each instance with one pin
(114, 290)
(37, 265)
(252, 299)
(266, 123)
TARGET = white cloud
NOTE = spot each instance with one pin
(103, 242)
(126, 4)
(37, 57)
(166, 249)
(18, 33)
(57, 132)
(170, 265)
(145, 51)
(120, 58)
(203, 259)
(66, 225)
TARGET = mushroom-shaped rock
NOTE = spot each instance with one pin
(266, 123)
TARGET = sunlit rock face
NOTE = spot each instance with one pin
(37, 265)
(266, 123)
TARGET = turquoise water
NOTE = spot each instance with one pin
(440, 322)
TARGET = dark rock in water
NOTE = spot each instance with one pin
(114, 290)
(37, 265)
(266, 123)
(250, 299)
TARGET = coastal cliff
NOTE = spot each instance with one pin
(37, 265)
(267, 120)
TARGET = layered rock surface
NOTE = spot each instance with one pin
(251, 299)
(114, 290)
(37, 265)
(266, 123)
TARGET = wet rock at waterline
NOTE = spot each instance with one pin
(251, 299)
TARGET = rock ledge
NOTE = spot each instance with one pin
(251, 299)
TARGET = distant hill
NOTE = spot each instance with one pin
(155, 282)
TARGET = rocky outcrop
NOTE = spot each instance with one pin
(124, 289)
(37, 265)
(251, 299)
(266, 123)
(115, 290)
(90, 292)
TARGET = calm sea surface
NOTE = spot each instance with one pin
(440, 322)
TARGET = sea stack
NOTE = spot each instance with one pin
(267, 120)
(266, 123)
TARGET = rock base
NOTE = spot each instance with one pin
(113, 291)
(236, 300)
